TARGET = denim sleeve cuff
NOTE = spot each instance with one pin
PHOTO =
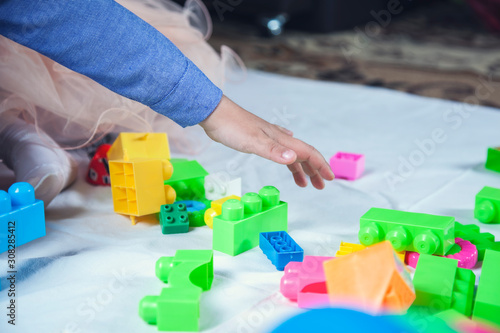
(192, 100)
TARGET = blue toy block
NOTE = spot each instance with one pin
(280, 248)
(22, 217)
(174, 218)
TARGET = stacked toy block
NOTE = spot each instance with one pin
(22, 217)
(238, 227)
(138, 165)
(177, 308)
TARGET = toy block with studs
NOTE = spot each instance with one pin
(174, 218)
(238, 227)
(487, 208)
(406, 231)
(280, 248)
(188, 180)
(440, 284)
(22, 216)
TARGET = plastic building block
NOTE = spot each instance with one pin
(280, 248)
(188, 273)
(482, 240)
(238, 227)
(347, 165)
(196, 211)
(440, 284)
(467, 256)
(130, 146)
(348, 248)
(487, 304)
(423, 233)
(373, 280)
(98, 170)
(304, 282)
(174, 218)
(493, 159)
(217, 187)
(188, 180)
(176, 309)
(22, 217)
(216, 209)
(187, 268)
(137, 186)
(487, 209)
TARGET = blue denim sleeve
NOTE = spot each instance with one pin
(109, 44)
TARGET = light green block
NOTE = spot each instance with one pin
(423, 233)
(487, 208)
(440, 284)
(487, 305)
(482, 240)
(237, 229)
(188, 180)
(493, 159)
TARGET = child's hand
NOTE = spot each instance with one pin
(239, 129)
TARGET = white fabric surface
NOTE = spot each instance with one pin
(90, 271)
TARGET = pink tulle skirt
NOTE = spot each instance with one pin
(75, 111)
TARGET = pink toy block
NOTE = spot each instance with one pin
(304, 282)
(347, 165)
(467, 257)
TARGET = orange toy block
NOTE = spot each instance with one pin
(372, 280)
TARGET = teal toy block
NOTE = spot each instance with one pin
(187, 268)
(482, 240)
(188, 180)
(196, 211)
(174, 218)
(188, 274)
(487, 305)
(22, 217)
(423, 233)
(176, 309)
(493, 159)
(440, 284)
(238, 228)
(487, 208)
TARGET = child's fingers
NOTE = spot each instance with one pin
(298, 174)
(284, 130)
(313, 174)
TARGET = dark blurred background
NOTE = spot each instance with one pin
(445, 49)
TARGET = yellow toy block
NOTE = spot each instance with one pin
(137, 187)
(216, 209)
(130, 146)
(348, 248)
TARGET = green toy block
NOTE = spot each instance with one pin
(483, 241)
(174, 219)
(423, 233)
(238, 228)
(493, 159)
(188, 180)
(188, 274)
(487, 209)
(176, 309)
(187, 268)
(440, 284)
(487, 305)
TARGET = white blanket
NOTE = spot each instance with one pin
(90, 271)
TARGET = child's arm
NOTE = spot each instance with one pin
(239, 129)
(106, 42)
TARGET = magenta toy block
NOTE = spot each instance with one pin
(304, 282)
(347, 165)
(467, 257)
